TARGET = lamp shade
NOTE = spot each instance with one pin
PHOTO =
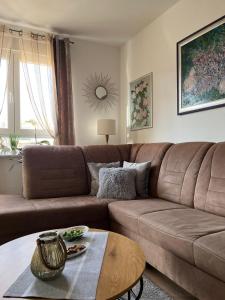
(106, 127)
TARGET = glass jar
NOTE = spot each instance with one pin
(49, 257)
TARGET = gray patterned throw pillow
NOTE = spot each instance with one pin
(94, 171)
(117, 183)
(142, 177)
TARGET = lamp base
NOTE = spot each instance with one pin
(107, 138)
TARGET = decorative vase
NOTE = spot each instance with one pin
(49, 257)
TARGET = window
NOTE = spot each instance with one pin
(17, 114)
(26, 95)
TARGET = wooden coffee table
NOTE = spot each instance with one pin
(122, 268)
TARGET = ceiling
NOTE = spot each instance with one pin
(107, 21)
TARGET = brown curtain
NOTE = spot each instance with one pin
(65, 117)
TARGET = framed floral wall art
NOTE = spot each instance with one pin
(201, 69)
(141, 104)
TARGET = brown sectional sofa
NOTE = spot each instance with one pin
(181, 227)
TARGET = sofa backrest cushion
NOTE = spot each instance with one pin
(53, 171)
(154, 153)
(210, 187)
(106, 153)
(179, 171)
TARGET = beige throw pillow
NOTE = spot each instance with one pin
(94, 169)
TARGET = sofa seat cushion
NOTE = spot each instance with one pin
(209, 254)
(176, 230)
(21, 216)
(127, 213)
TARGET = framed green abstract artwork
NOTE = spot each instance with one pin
(201, 69)
(141, 103)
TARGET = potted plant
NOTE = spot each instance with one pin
(13, 141)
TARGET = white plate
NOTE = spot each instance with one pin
(80, 227)
(78, 253)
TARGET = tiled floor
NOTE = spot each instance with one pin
(167, 285)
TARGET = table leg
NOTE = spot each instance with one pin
(140, 290)
(131, 295)
(128, 295)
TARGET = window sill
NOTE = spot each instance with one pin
(9, 154)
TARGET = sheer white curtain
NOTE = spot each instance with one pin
(36, 58)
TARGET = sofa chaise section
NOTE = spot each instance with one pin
(182, 242)
(19, 216)
(192, 241)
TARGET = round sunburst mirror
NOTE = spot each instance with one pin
(100, 91)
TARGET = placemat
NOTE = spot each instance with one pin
(78, 280)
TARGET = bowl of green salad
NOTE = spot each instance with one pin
(74, 233)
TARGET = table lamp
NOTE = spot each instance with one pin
(106, 127)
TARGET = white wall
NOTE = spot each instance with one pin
(89, 58)
(10, 176)
(154, 50)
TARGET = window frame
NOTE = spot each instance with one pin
(14, 103)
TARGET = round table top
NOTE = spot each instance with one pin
(122, 266)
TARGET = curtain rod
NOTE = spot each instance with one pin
(20, 32)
